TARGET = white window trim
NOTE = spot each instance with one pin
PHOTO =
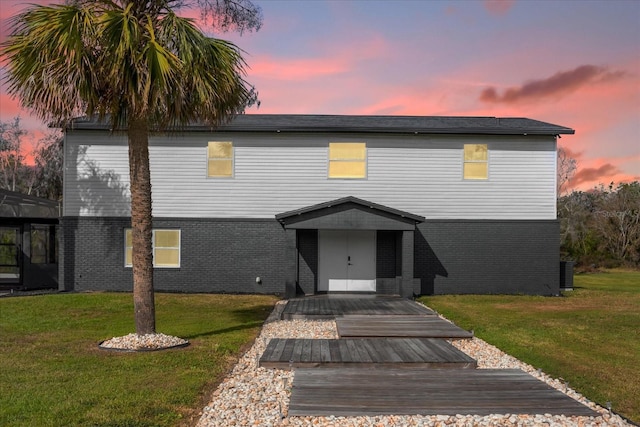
(153, 248)
(476, 161)
(233, 161)
(366, 161)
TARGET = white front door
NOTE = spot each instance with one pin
(347, 260)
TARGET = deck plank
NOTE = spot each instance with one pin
(399, 326)
(354, 392)
(364, 352)
(331, 306)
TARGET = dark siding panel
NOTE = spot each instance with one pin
(217, 256)
(307, 261)
(227, 255)
(386, 245)
(480, 257)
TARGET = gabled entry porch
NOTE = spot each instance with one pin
(350, 245)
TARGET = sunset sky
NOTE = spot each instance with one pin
(572, 63)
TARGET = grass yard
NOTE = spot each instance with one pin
(53, 373)
(590, 337)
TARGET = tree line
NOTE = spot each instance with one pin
(35, 171)
(599, 227)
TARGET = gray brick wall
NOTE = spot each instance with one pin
(386, 254)
(307, 261)
(481, 257)
(216, 256)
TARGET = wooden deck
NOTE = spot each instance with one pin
(331, 306)
(364, 353)
(399, 326)
(354, 392)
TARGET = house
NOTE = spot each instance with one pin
(28, 242)
(305, 204)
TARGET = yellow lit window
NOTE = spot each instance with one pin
(220, 159)
(476, 165)
(166, 248)
(347, 160)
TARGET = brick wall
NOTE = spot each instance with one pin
(458, 256)
(484, 257)
(307, 261)
(386, 254)
(216, 256)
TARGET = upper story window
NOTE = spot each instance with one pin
(220, 159)
(476, 165)
(166, 248)
(347, 160)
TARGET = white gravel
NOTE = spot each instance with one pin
(135, 342)
(253, 396)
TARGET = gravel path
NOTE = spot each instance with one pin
(253, 396)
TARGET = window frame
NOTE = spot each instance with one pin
(364, 160)
(49, 249)
(465, 162)
(153, 248)
(232, 158)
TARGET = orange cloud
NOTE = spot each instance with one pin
(558, 84)
(498, 7)
(593, 175)
(593, 172)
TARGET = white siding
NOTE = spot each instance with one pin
(275, 173)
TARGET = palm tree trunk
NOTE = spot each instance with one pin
(141, 222)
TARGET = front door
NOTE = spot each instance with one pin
(346, 260)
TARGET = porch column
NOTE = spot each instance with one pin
(291, 266)
(406, 287)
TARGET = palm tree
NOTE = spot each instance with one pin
(138, 65)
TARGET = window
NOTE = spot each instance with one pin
(347, 160)
(220, 159)
(166, 248)
(43, 244)
(476, 165)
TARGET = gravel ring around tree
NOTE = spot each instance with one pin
(148, 342)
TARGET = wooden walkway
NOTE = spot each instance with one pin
(332, 306)
(364, 353)
(399, 326)
(354, 392)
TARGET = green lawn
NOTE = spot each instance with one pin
(590, 337)
(53, 373)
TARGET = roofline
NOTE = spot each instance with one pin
(281, 217)
(497, 129)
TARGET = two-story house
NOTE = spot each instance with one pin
(305, 204)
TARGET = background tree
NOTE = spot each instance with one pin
(567, 166)
(601, 226)
(617, 221)
(141, 67)
(34, 171)
(48, 158)
(13, 172)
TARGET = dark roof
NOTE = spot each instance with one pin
(282, 217)
(369, 124)
(18, 205)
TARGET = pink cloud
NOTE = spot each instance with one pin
(558, 84)
(593, 175)
(498, 7)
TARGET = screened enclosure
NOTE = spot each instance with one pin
(28, 241)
